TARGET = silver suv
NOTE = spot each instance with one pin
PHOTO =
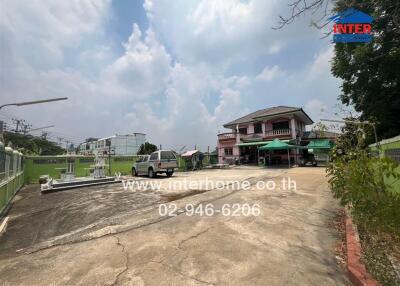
(162, 161)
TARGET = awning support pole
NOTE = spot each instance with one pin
(288, 157)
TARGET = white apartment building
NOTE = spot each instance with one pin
(118, 144)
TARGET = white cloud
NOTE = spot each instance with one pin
(230, 106)
(180, 95)
(143, 71)
(228, 16)
(269, 73)
(321, 63)
(37, 31)
(96, 55)
(221, 32)
(316, 108)
(276, 48)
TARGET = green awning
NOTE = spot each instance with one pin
(252, 144)
(319, 144)
(261, 143)
(276, 144)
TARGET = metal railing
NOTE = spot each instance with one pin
(277, 132)
(11, 176)
(270, 133)
(226, 136)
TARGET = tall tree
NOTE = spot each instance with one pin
(32, 145)
(371, 71)
(147, 148)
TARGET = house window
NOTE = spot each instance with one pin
(280, 125)
(228, 151)
(257, 128)
(243, 130)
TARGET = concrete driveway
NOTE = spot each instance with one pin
(111, 236)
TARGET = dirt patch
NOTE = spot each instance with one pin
(176, 196)
(381, 255)
(35, 217)
(338, 223)
(288, 243)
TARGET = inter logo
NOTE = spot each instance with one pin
(352, 26)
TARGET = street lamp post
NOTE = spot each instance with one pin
(29, 103)
(33, 102)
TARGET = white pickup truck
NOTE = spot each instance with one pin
(162, 161)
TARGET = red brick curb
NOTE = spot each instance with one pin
(358, 274)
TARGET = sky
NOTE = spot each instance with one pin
(175, 70)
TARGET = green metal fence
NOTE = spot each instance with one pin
(11, 175)
(35, 166)
(389, 148)
(16, 170)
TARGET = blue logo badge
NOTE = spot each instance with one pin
(352, 26)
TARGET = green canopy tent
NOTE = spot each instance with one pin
(319, 144)
(276, 144)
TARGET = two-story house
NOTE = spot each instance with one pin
(257, 129)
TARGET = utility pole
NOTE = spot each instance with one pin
(30, 103)
(208, 154)
(18, 123)
(44, 135)
(2, 128)
(109, 160)
(25, 130)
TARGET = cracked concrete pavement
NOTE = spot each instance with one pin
(129, 243)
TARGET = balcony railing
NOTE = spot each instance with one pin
(223, 136)
(271, 133)
(277, 132)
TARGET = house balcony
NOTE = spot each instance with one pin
(272, 134)
(278, 133)
(226, 136)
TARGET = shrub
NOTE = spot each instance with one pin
(361, 181)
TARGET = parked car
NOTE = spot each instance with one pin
(308, 159)
(162, 161)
